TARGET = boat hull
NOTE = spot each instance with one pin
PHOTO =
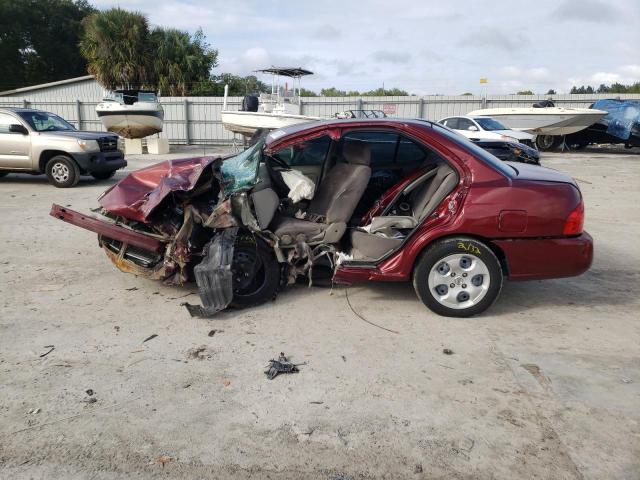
(131, 121)
(544, 121)
(246, 123)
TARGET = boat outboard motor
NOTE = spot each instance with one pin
(544, 104)
(250, 103)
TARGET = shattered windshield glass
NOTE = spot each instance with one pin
(241, 171)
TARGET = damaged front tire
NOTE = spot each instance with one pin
(255, 271)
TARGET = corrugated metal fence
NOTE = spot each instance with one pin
(196, 120)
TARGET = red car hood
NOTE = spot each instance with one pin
(135, 196)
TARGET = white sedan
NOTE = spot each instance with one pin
(485, 128)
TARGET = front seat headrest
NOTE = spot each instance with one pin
(356, 152)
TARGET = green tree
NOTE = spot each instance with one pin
(307, 93)
(466, 94)
(39, 41)
(238, 86)
(525, 92)
(116, 45)
(122, 52)
(181, 61)
(613, 88)
(332, 92)
(383, 92)
(551, 91)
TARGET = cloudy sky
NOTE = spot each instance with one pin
(423, 46)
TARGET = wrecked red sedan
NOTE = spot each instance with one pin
(345, 201)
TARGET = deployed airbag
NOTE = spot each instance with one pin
(300, 186)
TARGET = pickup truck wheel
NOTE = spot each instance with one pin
(103, 175)
(3, 174)
(62, 172)
(256, 272)
(458, 277)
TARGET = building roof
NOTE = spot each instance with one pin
(47, 85)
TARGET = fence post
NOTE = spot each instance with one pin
(359, 107)
(484, 103)
(79, 114)
(187, 137)
(301, 106)
(421, 108)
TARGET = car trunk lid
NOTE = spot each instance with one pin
(540, 174)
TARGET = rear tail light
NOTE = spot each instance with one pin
(575, 221)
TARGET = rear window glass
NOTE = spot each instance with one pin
(476, 151)
(409, 152)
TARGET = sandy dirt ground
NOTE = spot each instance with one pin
(546, 384)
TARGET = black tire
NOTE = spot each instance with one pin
(473, 253)
(256, 272)
(103, 175)
(62, 172)
(548, 142)
(4, 174)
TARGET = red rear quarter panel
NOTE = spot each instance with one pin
(493, 207)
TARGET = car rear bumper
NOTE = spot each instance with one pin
(537, 259)
(100, 161)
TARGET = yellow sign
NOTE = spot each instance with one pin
(484, 80)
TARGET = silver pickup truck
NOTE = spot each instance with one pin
(37, 142)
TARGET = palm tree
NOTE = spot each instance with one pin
(180, 60)
(116, 45)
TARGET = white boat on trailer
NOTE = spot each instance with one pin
(131, 113)
(277, 109)
(543, 118)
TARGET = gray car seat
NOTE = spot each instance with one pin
(383, 235)
(334, 202)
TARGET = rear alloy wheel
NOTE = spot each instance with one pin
(458, 277)
(103, 175)
(62, 172)
(256, 272)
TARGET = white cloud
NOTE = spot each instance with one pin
(595, 11)
(424, 47)
(631, 70)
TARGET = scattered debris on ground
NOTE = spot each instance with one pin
(51, 349)
(447, 351)
(150, 337)
(90, 392)
(199, 353)
(162, 459)
(281, 365)
(346, 293)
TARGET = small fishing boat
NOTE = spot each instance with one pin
(277, 109)
(131, 113)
